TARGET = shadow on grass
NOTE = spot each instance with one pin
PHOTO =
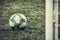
(14, 29)
(23, 29)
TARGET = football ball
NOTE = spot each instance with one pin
(17, 19)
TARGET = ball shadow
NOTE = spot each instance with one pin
(18, 28)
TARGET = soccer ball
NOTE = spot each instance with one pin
(17, 19)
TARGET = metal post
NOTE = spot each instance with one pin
(56, 25)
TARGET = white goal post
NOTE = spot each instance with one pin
(49, 20)
(51, 30)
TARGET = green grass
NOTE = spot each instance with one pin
(34, 10)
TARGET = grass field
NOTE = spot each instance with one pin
(34, 10)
